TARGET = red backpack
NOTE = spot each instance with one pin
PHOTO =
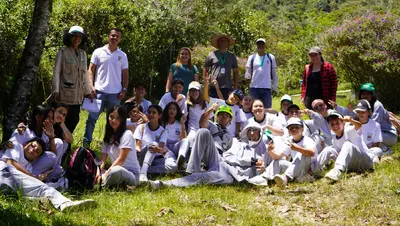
(82, 169)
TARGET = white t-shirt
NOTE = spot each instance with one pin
(109, 66)
(174, 131)
(283, 118)
(28, 135)
(262, 75)
(130, 123)
(238, 114)
(146, 135)
(145, 105)
(269, 119)
(131, 162)
(349, 134)
(167, 98)
(306, 142)
(17, 154)
(371, 132)
(194, 115)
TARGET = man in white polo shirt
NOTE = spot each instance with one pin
(109, 70)
(261, 70)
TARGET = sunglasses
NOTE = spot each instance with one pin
(318, 107)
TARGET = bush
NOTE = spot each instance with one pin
(366, 49)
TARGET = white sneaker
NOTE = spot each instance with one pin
(77, 205)
(281, 180)
(376, 159)
(334, 174)
(155, 185)
(143, 179)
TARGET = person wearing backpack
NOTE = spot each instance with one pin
(119, 145)
(261, 70)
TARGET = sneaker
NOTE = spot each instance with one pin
(334, 174)
(376, 160)
(281, 180)
(386, 151)
(155, 185)
(77, 205)
(143, 179)
(180, 161)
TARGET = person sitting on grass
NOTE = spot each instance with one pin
(266, 120)
(151, 138)
(175, 95)
(286, 101)
(247, 103)
(135, 116)
(302, 154)
(348, 148)
(233, 102)
(16, 175)
(119, 145)
(139, 93)
(174, 122)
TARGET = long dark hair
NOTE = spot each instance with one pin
(41, 110)
(111, 136)
(165, 115)
(158, 109)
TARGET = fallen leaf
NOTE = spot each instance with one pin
(322, 215)
(284, 209)
(210, 218)
(228, 207)
(163, 211)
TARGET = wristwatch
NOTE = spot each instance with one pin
(124, 89)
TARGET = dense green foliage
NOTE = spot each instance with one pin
(155, 30)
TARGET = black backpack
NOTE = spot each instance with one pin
(82, 169)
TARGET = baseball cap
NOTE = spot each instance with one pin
(260, 40)
(293, 122)
(239, 93)
(225, 109)
(362, 105)
(195, 85)
(315, 49)
(287, 97)
(293, 106)
(76, 29)
(367, 87)
(177, 81)
(334, 114)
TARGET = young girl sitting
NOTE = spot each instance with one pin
(135, 115)
(118, 144)
(174, 122)
(150, 144)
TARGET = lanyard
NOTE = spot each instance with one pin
(222, 59)
(262, 61)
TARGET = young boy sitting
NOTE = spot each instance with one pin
(140, 92)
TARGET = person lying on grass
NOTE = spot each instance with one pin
(16, 176)
(348, 149)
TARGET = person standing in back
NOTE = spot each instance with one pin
(108, 70)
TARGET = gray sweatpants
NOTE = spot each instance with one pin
(155, 163)
(329, 153)
(352, 158)
(119, 175)
(203, 150)
(389, 139)
(13, 180)
(179, 147)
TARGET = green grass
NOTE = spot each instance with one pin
(366, 199)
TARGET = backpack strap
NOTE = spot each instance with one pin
(143, 130)
(159, 137)
(187, 118)
(270, 64)
(252, 65)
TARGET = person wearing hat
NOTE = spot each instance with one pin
(183, 69)
(261, 70)
(286, 101)
(16, 175)
(348, 148)
(319, 79)
(175, 95)
(301, 155)
(380, 115)
(70, 81)
(219, 65)
(108, 79)
(233, 101)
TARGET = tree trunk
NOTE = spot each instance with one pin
(28, 66)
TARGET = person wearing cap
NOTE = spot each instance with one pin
(219, 65)
(175, 95)
(70, 81)
(348, 148)
(380, 115)
(299, 159)
(195, 108)
(139, 92)
(108, 79)
(16, 175)
(286, 101)
(261, 70)
(266, 120)
(183, 69)
(233, 102)
(319, 79)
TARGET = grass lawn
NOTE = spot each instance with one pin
(371, 198)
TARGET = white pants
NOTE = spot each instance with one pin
(156, 163)
(329, 153)
(389, 139)
(179, 148)
(351, 158)
(13, 180)
(120, 176)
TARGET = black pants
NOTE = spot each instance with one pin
(72, 119)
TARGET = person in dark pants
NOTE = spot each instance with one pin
(319, 80)
(220, 64)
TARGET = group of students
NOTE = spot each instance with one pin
(209, 140)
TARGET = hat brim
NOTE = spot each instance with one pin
(214, 40)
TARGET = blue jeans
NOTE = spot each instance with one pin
(262, 94)
(107, 101)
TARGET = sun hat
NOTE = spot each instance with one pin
(215, 38)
